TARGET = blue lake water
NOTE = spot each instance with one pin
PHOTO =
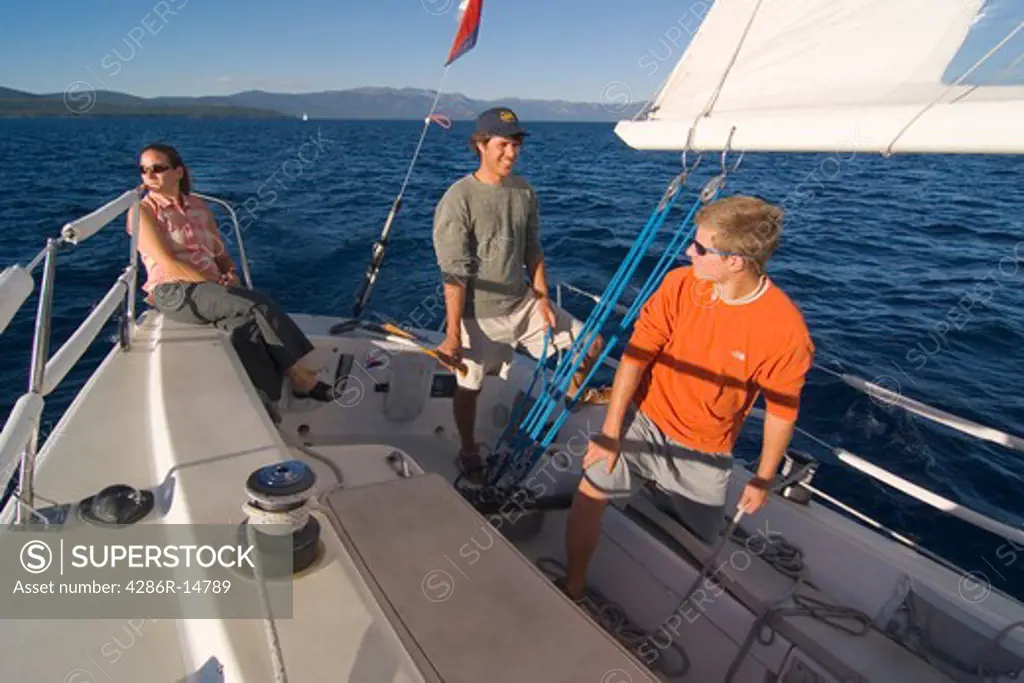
(908, 270)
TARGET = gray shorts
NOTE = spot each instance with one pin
(687, 484)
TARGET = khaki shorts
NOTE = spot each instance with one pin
(489, 344)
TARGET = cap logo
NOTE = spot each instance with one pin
(507, 116)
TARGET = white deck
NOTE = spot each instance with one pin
(178, 414)
(202, 447)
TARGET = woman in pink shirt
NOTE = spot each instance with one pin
(191, 278)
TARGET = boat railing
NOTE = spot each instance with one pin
(237, 231)
(19, 440)
(890, 398)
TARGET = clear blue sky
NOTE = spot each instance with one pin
(569, 49)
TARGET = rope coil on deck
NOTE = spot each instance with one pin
(780, 554)
(785, 557)
(277, 522)
(610, 616)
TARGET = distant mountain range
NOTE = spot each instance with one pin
(356, 103)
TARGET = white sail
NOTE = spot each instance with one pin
(821, 75)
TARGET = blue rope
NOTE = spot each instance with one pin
(525, 437)
(541, 410)
(679, 242)
(513, 432)
(539, 370)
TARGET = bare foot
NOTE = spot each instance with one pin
(303, 379)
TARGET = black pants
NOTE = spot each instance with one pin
(267, 341)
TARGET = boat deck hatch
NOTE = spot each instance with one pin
(466, 604)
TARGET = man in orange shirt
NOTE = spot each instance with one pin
(707, 342)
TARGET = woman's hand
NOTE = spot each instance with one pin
(229, 279)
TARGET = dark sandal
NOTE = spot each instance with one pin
(471, 468)
(560, 584)
(321, 391)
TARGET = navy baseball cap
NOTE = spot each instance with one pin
(499, 121)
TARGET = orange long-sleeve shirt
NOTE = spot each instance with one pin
(711, 359)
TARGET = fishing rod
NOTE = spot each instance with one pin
(465, 39)
(377, 258)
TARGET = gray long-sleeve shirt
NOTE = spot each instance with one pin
(484, 235)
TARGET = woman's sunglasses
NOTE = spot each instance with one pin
(155, 168)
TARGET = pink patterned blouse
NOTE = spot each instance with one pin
(190, 235)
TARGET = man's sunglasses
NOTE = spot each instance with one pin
(703, 251)
(155, 168)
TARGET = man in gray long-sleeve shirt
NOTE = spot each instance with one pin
(486, 230)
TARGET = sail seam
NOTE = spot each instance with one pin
(732, 62)
(713, 100)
